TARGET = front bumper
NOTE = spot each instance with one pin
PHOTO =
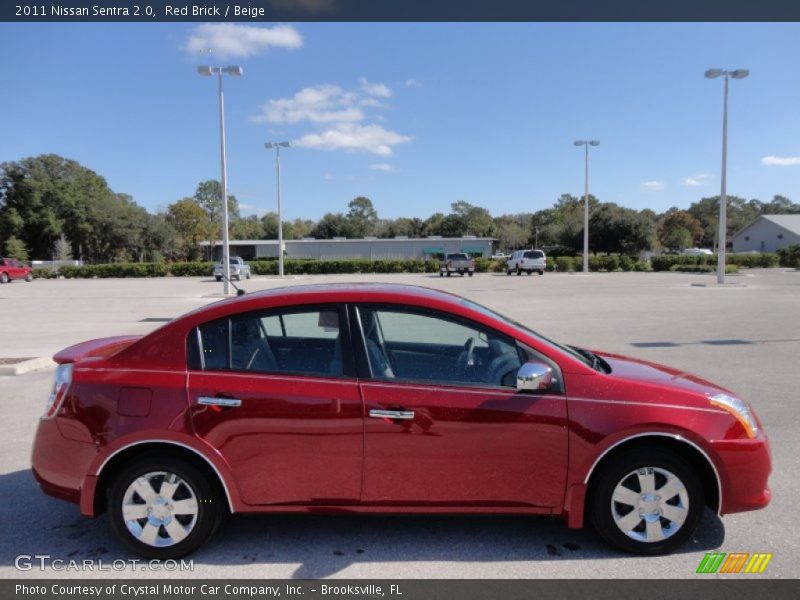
(745, 466)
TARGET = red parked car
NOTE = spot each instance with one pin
(11, 268)
(386, 399)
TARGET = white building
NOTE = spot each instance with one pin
(398, 248)
(768, 233)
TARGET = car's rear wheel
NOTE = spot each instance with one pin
(519, 271)
(163, 508)
(4, 278)
(218, 278)
(470, 273)
(441, 274)
(29, 277)
(541, 272)
(508, 271)
(646, 502)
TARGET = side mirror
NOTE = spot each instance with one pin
(534, 376)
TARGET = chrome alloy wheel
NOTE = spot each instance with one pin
(650, 504)
(160, 509)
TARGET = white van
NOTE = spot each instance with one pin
(527, 261)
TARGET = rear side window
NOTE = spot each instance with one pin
(301, 342)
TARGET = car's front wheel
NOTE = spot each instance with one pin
(646, 502)
(163, 508)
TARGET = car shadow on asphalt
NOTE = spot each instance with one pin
(322, 545)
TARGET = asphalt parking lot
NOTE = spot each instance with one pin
(745, 336)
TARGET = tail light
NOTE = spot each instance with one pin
(472, 263)
(61, 384)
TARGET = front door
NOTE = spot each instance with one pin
(445, 424)
(271, 393)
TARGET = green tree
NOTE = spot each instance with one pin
(15, 248)
(62, 249)
(362, 217)
(679, 230)
(247, 228)
(332, 225)
(191, 224)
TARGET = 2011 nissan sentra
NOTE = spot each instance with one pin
(379, 398)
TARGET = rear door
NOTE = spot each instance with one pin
(274, 393)
(445, 424)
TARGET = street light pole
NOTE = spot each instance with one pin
(586, 144)
(278, 146)
(219, 71)
(723, 194)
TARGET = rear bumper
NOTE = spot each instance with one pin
(60, 464)
(745, 466)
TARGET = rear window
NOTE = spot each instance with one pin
(456, 257)
(534, 254)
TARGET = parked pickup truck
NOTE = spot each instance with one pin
(456, 263)
(239, 269)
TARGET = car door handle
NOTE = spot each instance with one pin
(224, 402)
(391, 414)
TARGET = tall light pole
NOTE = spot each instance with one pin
(723, 195)
(236, 72)
(586, 144)
(278, 146)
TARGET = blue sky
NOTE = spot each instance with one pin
(414, 116)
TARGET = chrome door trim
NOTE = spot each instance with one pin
(225, 402)
(391, 414)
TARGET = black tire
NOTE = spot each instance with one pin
(441, 274)
(528, 272)
(248, 276)
(29, 277)
(508, 272)
(470, 273)
(448, 273)
(4, 278)
(519, 271)
(615, 472)
(210, 507)
(218, 278)
(541, 272)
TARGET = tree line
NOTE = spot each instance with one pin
(54, 208)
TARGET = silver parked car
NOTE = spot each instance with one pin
(239, 269)
(526, 261)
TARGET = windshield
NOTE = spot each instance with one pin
(495, 315)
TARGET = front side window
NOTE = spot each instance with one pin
(302, 342)
(421, 346)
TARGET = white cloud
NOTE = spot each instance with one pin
(780, 161)
(319, 104)
(386, 168)
(328, 176)
(696, 180)
(354, 137)
(381, 90)
(412, 83)
(653, 186)
(231, 40)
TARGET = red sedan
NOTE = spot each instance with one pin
(386, 399)
(11, 268)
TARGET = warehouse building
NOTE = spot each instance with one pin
(768, 233)
(373, 248)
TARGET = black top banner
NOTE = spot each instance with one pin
(399, 10)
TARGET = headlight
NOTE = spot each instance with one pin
(739, 409)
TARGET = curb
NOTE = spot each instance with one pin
(27, 366)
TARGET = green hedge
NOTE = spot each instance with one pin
(114, 270)
(191, 269)
(44, 273)
(667, 261)
(790, 256)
